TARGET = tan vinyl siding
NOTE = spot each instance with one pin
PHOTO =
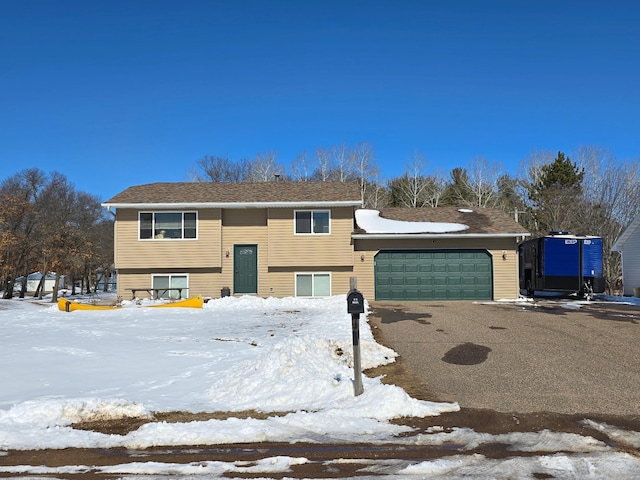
(281, 281)
(363, 271)
(132, 253)
(505, 271)
(288, 250)
(203, 283)
(244, 227)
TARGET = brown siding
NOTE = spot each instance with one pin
(132, 253)
(505, 271)
(289, 250)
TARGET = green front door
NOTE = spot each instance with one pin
(245, 269)
(433, 275)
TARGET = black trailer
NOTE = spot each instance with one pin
(561, 263)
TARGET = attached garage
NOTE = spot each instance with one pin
(433, 275)
(436, 254)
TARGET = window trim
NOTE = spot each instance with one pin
(313, 293)
(312, 211)
(153, 222)
(170, 275)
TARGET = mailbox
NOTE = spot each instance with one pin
(355, 302)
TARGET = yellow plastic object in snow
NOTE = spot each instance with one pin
(66, 305)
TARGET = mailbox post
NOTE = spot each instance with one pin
(355, 306)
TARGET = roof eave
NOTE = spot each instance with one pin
(238, 205)
(405, 236)
(626, 234)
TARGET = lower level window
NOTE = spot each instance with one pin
(176, 286)
(313, 284)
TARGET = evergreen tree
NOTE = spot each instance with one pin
(555, 195)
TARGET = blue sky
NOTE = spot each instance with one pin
(115, 93)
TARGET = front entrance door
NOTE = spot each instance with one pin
(245, 269)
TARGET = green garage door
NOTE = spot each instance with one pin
(433, 275)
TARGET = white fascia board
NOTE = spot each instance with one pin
(406, 236)
(177, 206)
(626, 234)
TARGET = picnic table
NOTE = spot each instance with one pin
(157, 293)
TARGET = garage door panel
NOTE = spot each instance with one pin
(383, 268)
(433, 275)
(439, 268)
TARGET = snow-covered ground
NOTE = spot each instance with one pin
(270, 355)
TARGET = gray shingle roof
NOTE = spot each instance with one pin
(479, 220)
(237, 193)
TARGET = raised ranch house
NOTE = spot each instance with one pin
(306, 239)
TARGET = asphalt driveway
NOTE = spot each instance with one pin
(544, 356)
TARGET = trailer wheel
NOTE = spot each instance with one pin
(587, 291)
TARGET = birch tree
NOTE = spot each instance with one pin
(264, 167)
(322, 159)
(363, 160)
(482, 181)
(301, 168)
(416, 189)
(610, 201)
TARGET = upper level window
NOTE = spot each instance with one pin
(312, 221)
(168, 225)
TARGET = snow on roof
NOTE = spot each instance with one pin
(371, 222)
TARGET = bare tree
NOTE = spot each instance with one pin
(342, 160)
(610, 201)
(323, 161)
(19, 217)
(363, 161)
(482, 180)
(410, 191)
(415, 189)
(301, 168)
(263, 168)
(218, 169)
(377, 195)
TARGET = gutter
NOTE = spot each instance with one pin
(238, 205)
(407, 236)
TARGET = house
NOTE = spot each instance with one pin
(33, 280)
(628, 244)
(306, 239)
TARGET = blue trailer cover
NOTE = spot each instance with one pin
(592, 257)
(561, 257)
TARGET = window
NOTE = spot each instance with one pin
(313, 284)
(171, 281)
(312, 222)
(168, 225)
